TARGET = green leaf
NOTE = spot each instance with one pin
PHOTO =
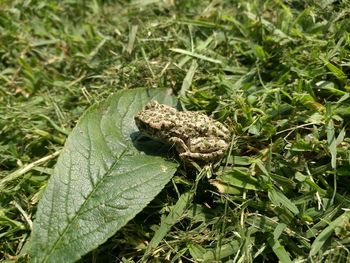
(328, 231)
(333, 141)
(196, 251)
(239, 178)
(279, 250)
(278, 231)
(328, 88)
(226, 188)
(242, 160)
(226, 250)
(186, 84)
(278, 198)
(195, 55)
(260, 52)
(100, 180)
(332, 146)
(334, 69)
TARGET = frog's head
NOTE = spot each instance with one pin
(155, 119)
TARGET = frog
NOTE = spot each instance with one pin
(196, 136)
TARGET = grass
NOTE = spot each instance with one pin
(275, 71)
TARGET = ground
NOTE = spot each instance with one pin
(275, 72)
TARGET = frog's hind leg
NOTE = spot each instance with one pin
(202, 157)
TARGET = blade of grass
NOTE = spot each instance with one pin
(132, 37)
(334, 69)
(195, 55)
(176, 212)
(332, 144)
(186, 84)
(18, 173)
(328, 231)
(279, 199)
(279, 250)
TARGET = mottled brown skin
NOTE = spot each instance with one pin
(196, 136)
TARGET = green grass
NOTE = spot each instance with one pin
(275, 71)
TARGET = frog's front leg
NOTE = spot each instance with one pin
(180, 145)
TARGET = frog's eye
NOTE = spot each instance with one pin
(152, 104)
